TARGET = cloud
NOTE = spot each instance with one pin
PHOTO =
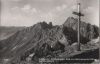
(64, 6)
(18, 19)
(74, 7)
(47, 17)
(91, 15)
(34, 10)
(29, 12)
(15, 8)
(60, 8)
(89, 9)
(16, 0)
(29, 9)
(25, 9)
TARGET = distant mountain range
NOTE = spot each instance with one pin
(6, 32)
(46, 40)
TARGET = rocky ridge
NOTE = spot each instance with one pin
(46, 40)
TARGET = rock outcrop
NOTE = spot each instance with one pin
(45, 40)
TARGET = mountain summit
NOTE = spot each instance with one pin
(46, 40)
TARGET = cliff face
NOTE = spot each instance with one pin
(45, 40)
(86, 30)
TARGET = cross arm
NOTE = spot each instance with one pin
(78, 14)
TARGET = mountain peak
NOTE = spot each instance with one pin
(44, 39)
(43, 25)
(70, 21)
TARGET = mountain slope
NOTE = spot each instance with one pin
(45, 40)
(6, 32)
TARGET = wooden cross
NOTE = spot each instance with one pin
(79, 14)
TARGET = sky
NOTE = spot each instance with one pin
(30, 12)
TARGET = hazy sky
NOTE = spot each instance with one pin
(29, 12)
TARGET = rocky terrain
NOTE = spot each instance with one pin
(44, 40)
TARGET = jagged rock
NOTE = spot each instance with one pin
(45, 39)
(87, 31)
